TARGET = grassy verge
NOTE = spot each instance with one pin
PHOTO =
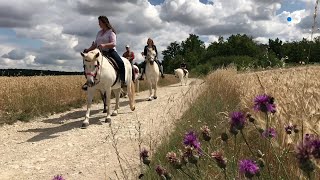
(23, 98)
(227, 92)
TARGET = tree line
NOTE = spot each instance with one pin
(241, 50)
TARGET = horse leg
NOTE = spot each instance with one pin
(108, 92)
(155, 91)
(117, 96)
(104, 98)
(90, 94)
(150, 91)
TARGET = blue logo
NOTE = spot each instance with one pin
(289, 19)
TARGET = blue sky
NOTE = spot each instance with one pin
(47, 40)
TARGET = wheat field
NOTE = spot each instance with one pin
(296, 92)
(22, 98)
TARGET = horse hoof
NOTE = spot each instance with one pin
(114, 114)
(133, 108)
(149, 99)
(105, 111)
(155, 97)
(108, 120)
(84, 125)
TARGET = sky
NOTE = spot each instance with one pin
(50, 34)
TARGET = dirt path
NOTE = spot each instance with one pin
(56, 145)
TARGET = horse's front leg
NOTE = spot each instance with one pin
(150, 91)
(108, 93)
(90, 94)
(117, 97)
(155, 91)
(104, 99)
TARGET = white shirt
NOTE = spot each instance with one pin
(106, 37)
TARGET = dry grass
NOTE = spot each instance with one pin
(296, 92)
(25, 97)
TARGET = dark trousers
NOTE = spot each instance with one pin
(112, 53)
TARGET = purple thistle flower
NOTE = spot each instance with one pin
(58, 177)
(205, 133)
(264, 103)
(144, 153)
(249, 168)
(289, 128)
(190, 139)
(238, 120)
(270, 133)
(316, 148)
(305, 150)
(221, 161)
(160, 170)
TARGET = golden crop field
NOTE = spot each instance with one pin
(22, 98)
(296, 92)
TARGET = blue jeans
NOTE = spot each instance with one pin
(112, 53)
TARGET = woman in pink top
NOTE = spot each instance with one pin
(106, 41)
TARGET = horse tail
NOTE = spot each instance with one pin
(131, 94)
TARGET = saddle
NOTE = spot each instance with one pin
(114, 65)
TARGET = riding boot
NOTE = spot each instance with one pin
(160, 68)
(143, 68)
(84, 87)
(161, 71)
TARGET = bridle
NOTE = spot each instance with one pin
(98, 69)
(149, 57)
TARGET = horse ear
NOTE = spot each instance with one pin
(82, 54)
(97, 55)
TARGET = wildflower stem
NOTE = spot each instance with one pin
(245, 140)
(183, 172)
(280, 162)
(225, 174)
(234, 164)
(198, 171)
(266, 144)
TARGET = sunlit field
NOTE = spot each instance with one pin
(223, 135)
(22, 98)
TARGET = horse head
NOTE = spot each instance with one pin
(91, 65)
(151, 56)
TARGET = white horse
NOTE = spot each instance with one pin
(101, 75)
(152, 73)
(181, 75)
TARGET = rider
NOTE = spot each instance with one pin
(106, 41)
(183, 66)
(128, 54)
(150, 44)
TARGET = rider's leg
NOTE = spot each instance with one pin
(160, 67)
(120, 63)
(143, 69)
